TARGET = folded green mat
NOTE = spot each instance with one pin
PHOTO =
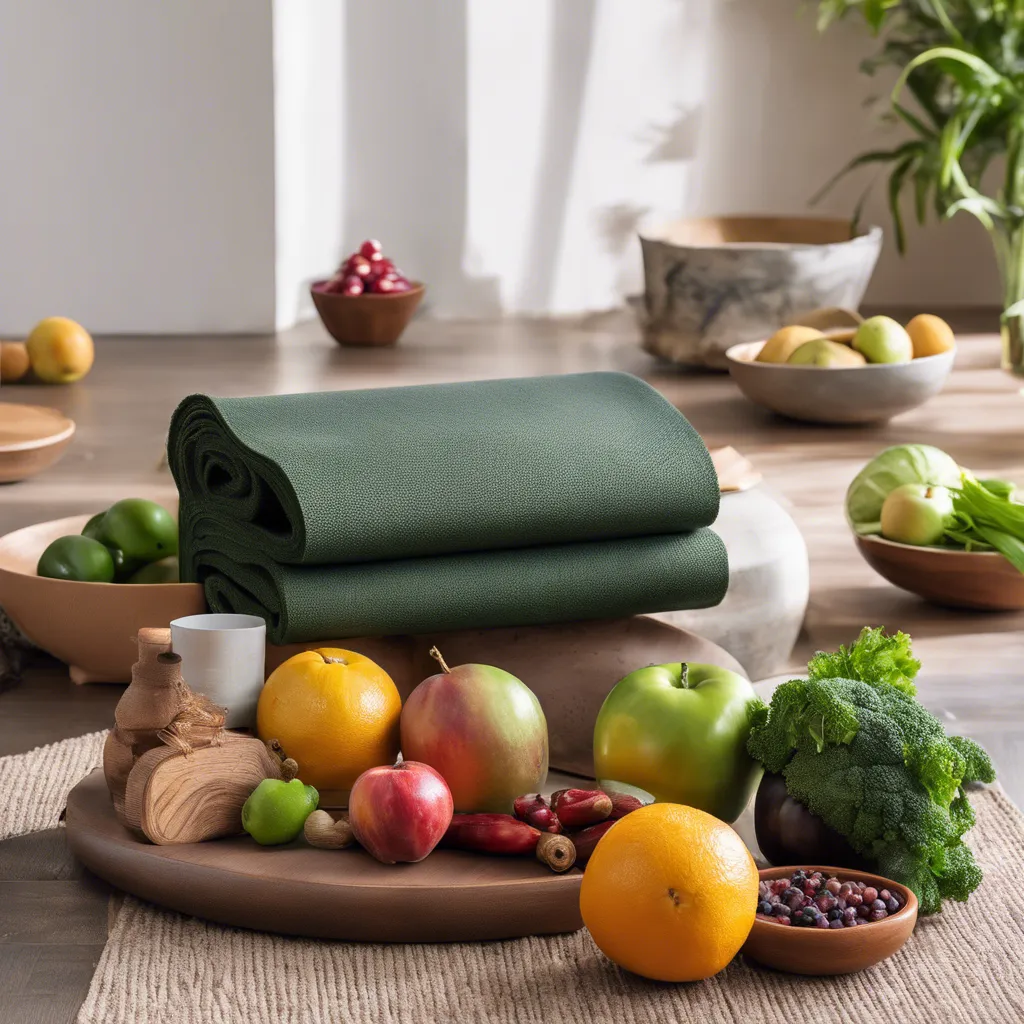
(450, 506)
(348, 476)
(514, 587)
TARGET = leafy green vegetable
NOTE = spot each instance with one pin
(875, 659)
(985, 520)
(902, 464)
(876, 766)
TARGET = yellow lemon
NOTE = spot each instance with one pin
(60, 350)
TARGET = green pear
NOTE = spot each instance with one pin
(882, 340)
(276, 811)
(825, 353)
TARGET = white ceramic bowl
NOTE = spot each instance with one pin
(872, 393)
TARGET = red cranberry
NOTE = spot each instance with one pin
(383, 286)
(402, 285)
(369, 248)
(870, 894)
(352, 286)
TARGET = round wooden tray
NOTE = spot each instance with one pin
(325, 894)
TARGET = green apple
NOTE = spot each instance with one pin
(679, 732)
(882, 340)
(276, 811)
(916, 514)
(142, 529)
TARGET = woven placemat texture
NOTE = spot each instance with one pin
(963, 966)
(34, 787)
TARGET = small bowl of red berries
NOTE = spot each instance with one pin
(824, 920)
(368, 301)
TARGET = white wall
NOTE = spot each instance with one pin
(137, 192)
(309, 88)
(191, 167)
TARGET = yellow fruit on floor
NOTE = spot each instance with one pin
(930, 335)
(60, 350)
(782, 344)
(670, 893)
(14, 362)
(335, 712)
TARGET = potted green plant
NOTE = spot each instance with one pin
(960, 92)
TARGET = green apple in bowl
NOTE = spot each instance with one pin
(916, 514)
(679, 732)
(882, 340)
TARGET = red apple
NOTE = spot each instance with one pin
(483, 730)
(399, 812)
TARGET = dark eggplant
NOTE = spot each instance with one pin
(788, 833)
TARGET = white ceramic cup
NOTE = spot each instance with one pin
(222, 656)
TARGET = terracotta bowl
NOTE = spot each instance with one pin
(90, 626)
(846, 394)
(957, 579)
(366, 319)
(32, 438)
(842, 951)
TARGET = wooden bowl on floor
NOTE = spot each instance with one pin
(983, 580)
(90, 626)
(366, 319)
(840, 951)
(32, 438)
(872, 393)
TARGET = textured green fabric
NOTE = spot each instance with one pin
(517, 586)
(445, 506)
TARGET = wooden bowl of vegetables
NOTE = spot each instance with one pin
(929, 526)
(954, 578)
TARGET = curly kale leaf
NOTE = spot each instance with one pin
(873, 658)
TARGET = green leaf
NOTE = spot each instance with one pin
(896, 181)
(874, 156)
(967, 68)
(872, 658)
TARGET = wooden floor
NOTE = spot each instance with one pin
(53, 918)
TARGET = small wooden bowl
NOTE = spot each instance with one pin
(32, 438)
(983, 580)
(839, 951)
(872, 393)
(366, 319)
(90, 626)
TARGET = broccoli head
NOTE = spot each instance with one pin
(877, 767)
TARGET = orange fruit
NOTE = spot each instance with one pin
(930, 335)
(335, 712)
(61, 350)
(670, 893)
(14, 362)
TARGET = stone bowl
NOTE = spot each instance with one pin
(818, 951)
(872, 393)
(982, 580)
(717, 281)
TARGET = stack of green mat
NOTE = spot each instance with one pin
(493, 503)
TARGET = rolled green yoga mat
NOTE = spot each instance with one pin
(446, 506)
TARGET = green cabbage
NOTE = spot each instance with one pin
(903, 464)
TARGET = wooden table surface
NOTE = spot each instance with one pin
(53, 918)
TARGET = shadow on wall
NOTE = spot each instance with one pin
(405, 167)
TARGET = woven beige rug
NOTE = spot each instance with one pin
(965, 966)
(34, 787)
